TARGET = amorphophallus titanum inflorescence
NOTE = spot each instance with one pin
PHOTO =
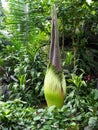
(54, 83)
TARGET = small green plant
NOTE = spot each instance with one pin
(77, 84)
(93, 123)
(24, 72)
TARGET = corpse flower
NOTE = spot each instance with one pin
(54, 82)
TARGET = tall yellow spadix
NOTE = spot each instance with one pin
(54, 83)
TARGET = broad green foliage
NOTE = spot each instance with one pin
(78, 24)
(75, 115)
(24, 73)
(25, 19)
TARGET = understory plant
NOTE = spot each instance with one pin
(77, 113)
(23, 73)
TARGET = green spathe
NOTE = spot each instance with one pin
(54, 87)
